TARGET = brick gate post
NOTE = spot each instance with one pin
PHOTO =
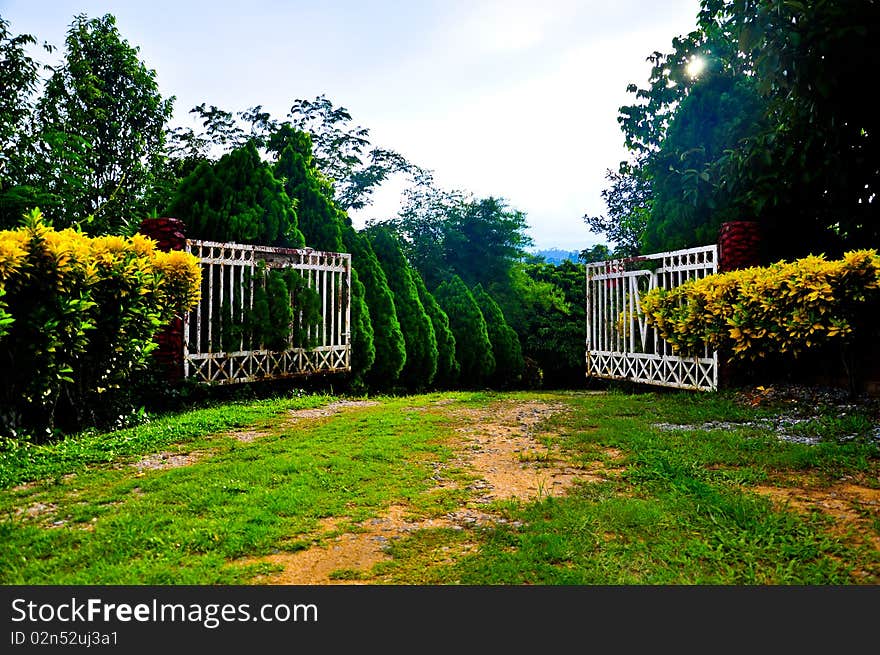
(739, 246)
(169, 235)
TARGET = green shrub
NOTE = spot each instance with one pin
(783, 308)
(285, 308)
(78, 317)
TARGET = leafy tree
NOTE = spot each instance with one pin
(418, 331)
(101, 123)
(19, 76)
(506, 349)
(422, 224)
(628, 200)
(821, 138)
(688, 205)
(473, 350)
(482, 244)
(344, 154)
(597, 253)
(19, 79)
(774, 129)
(554, 332)
(448, 369)
(237, 199)
(388, 337)
(341, 151)
(446, 233)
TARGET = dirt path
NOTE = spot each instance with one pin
(498, 445)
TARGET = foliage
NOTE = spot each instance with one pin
(483, 243)
(344, 153)
(447, 233)
(506, 349)
(822, 137)
(448, 369)
(783, 308)
(363, 347)
(285, 312)
(597, 253)
(774, 129)
(473, 350)
(418, 331)
(388, 340)
(19, 76)
(19, 81)
(628, 200)
(99, 131)
(688, 202)
(553, 331)
(237, 199)
(319, 218)
(84, 312)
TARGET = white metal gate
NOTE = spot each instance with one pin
(620, 344)
(228, 274)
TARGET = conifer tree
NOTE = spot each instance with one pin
(363, 350)
(448, 369)
(319, 218)
(387, 336)
(509, 362)
(237, 198)
(418, 331)
(473, 350)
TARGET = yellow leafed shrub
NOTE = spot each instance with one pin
(785, 307)
(77, 315)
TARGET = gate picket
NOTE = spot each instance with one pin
(620, 344)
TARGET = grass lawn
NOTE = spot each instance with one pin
(695, 489)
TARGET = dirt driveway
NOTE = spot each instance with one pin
(500, 449)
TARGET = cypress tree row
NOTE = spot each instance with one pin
(418, 332)
(387, 336)
(448, 369)
(473, 350)
(509, 362)
(236, 198)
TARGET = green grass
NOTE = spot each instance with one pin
(185, 525)
(677, 508)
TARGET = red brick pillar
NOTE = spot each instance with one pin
(739, 245)
(169, 235)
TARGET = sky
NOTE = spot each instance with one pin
(505, 98)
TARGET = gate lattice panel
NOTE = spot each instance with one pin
(228, 274)
(620, 343)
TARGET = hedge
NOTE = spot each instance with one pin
(78, 316)
(786, 307)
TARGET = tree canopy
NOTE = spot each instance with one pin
(774, 128)
(237, 199)
(388, 340)
(89, 146)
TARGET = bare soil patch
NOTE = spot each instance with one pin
(853, 507)
(501, 451)
(165, 460)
